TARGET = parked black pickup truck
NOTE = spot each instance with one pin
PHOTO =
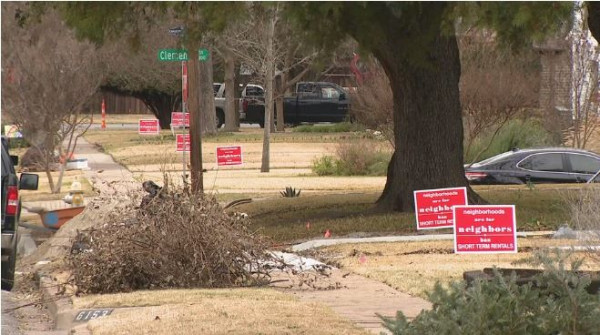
(312, 102)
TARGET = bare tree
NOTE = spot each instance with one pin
(265, 46)
(48, 76)
(585, 57)
(495, 87)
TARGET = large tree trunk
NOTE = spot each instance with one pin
(427, 112)
(231, 122)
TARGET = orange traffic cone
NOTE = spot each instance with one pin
(327, 234)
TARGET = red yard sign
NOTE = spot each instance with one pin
(485, 229)
(180, 119)
(229, 155)
(183, 142)
(148, 127)
(433, 208)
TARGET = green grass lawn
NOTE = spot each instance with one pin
(285, 219)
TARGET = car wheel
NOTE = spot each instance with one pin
(8, 273)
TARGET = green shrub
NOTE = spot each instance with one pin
(342, 127)
(325, 166)
(515, 134)
(357, 158)
(559, 304)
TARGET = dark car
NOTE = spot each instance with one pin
(11, 212)
(548, 165)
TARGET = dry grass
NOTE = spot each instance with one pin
(414, 267)
(223, 311)
(122, 118)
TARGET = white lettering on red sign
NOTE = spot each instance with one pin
(485, 229)
(229, 155)
(183, 142)
(148, 127)
(180, 119)
(433, 208)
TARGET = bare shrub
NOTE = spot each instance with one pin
(584, 209)
(175, 240)
(373, 102)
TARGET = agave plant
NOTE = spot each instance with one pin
(290, 192)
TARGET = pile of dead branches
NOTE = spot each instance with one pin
(172, 239)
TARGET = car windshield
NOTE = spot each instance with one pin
(493, 159)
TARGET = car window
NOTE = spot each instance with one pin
(330, 93)
(308, 90)
(551, 162)
(6, 161)
(254, 91)
(216, 88)
(493, 159)
(583, 163)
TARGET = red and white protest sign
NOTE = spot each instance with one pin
(433, 208)
(180, 119)
(148, 127)
(485, 229)
(183, 142)
(229, 155)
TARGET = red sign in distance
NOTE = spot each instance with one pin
(180, 119)
(229, 155)
(433, 208)
(485, 229)
(183, 142)
(148, 127)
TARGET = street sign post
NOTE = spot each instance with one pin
(148, 127)
(485, 229)
(172, 55)
(229, 155)
(433, 208)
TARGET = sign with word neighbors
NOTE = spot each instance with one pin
(433, 208)
(485, 229)
(180, 119)
(229, 155)
(183, 142)
(148, 127)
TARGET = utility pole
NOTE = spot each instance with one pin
(193, 107)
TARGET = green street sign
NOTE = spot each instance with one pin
(203, 55)
(172, 55)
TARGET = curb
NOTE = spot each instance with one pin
(402, 238)
(60, 309)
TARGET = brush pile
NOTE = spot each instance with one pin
(173, 239)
